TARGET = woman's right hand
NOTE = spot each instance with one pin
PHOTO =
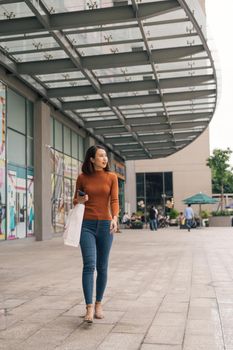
(80, 199)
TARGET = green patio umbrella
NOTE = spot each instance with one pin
(200, 198)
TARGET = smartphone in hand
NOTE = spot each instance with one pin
(81, 193)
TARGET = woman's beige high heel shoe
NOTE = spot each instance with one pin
(89, 313)
(98, 310)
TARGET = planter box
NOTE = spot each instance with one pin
(137, 225)
(220, 221)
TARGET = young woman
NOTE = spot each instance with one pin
(100, 222)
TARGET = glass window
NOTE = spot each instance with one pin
(168, 184)
(30, 120)
(30, 155)
(81, 149)
(67, 141)
(16, 147)
(2, 160)
(74, 145)
(16, 111)
(154, 188)
(140, 185)
(51, 132)
(58, 136)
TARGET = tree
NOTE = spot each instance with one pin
(221, 170)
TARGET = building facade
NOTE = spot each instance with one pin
(168, 181)
(135, 76)
(41, 155)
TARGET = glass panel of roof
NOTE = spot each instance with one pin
(40, 56)
(67, 84)
(74, 5)
(29, 44)
(15, 10)
(60, 76)
(104, 114)
(81, 98)
(130, 93)
(92, 109)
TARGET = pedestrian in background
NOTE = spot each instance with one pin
(101, 189)
(189, 216)
(153, 215)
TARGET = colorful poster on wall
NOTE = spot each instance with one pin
(59, 163)
(67, 196)
(11, 205)
(74, 168)
(16, 203)
(30, 206)
(67, 166)
(58, 204)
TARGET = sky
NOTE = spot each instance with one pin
(220, 29)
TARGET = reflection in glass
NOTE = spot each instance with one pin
(58, 136)
(16, 147)
(16, 112)
(157, 190)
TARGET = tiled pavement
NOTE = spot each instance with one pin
(167, 290)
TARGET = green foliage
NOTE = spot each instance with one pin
(222, 213)
(136, 225)
(222, 177)
(205, 214)
(173, 213)
(139, 213)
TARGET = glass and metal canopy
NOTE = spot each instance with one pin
(137, 75)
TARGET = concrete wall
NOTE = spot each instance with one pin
(190, 173)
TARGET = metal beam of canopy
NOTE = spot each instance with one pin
(81, 19)
(130, 86)
(131, 121)
(139, 113)
(144, 138)
(76, 59)
(136, 100)
(124, 59)
(121, 130)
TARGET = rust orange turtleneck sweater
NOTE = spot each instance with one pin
(102, 190)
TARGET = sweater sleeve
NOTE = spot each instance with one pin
(114, 196)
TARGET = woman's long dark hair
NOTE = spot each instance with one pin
(88, 167)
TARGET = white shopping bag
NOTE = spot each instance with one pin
(73, 226)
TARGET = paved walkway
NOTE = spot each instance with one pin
(167, 290)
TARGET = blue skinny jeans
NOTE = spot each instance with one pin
(95, 242)
(153, 224)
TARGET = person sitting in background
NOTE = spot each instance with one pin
(181, 219)
(153, 214)
(126, 219)
(133, 217)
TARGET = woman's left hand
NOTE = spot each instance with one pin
(113, 226)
